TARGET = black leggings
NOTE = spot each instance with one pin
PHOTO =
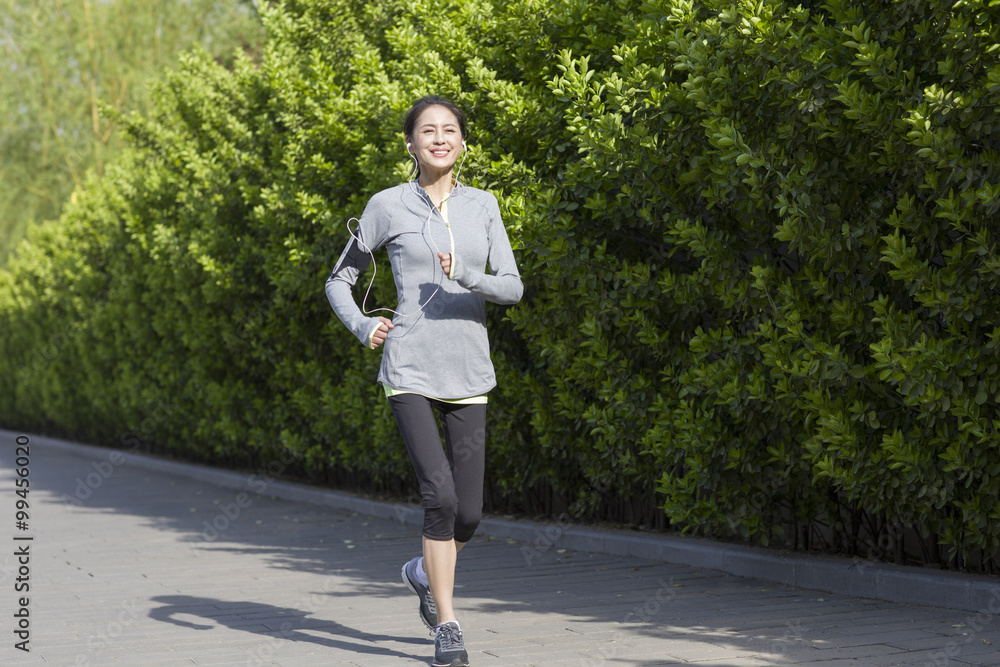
(451, 478)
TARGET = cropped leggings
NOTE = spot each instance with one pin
(451, 477)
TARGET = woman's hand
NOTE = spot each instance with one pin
(445, 262)
(383, 330)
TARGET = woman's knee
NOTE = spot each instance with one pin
(440, 512)
(466, 522)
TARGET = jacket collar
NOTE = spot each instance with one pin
(457, 189)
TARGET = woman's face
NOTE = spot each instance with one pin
(436, 141)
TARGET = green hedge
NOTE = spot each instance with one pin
(761, 275)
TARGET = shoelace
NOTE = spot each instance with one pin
(431, 604)
(449, 637)
(432, 607)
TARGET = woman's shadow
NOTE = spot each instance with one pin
(277, 624)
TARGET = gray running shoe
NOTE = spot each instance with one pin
(449, 646)
(428, 610)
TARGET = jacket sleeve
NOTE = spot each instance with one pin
(370, 235)
(503, 284)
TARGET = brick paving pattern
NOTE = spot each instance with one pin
(125, 571)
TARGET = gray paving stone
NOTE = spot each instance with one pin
(751, 563)
(938, 587)
(852, 577)
(985, 596)
(128, 577)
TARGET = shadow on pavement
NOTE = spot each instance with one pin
(626, 599)
(282, 622)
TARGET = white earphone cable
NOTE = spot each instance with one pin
(451, 238)
(365, 248)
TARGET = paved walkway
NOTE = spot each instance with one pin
(135, 567)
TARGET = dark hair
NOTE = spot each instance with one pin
(410, 120)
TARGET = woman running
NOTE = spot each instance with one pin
(440, 236)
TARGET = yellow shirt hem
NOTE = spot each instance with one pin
(471, 400)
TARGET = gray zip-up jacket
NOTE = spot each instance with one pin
(440, 350)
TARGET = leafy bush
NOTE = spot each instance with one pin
(760, 273)
(60, 59)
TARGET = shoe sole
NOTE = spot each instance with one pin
(406, 580)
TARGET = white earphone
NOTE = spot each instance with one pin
(416, 163)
